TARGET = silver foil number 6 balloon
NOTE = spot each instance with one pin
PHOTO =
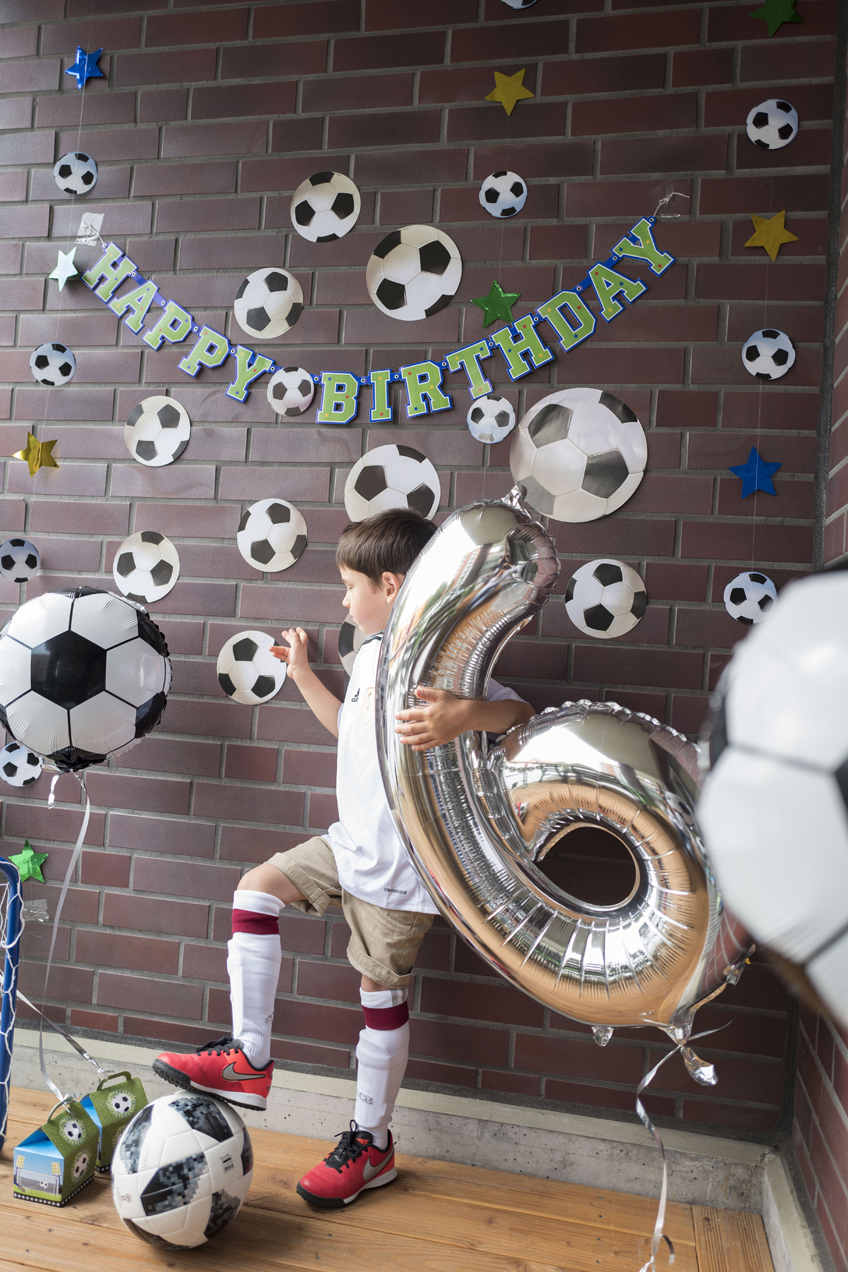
(478, 822)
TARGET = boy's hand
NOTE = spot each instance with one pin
(296, 655)
(440, 718)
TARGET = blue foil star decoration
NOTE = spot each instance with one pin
(85, 67)
(756, 474)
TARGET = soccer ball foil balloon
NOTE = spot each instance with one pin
(83, 674)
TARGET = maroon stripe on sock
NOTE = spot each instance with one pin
(258, 924)
(386, 1017)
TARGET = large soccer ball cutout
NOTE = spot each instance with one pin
(772, 124)
(774, 806)
(503, 194)
(768, 354)
(181, 1170)
(268, 303)
(579, 453)
(491, 419)
(749, 597)
(20, 560)
(146, 567)
(83, 674)
(605, 599)
(247, 670)
(325, 207)
(157, 431)
(414, 272)
(52, 364)
(290, 391)
(391, 477)
(271, 535)
(75, 173)
(19, 766)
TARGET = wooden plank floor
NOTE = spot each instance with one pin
(437, 1217)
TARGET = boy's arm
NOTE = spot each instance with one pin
(324, 705)
(446, 716)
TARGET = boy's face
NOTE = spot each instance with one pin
(369, 604)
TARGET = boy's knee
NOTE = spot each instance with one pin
(267, 878)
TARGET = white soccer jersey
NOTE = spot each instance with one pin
(371, 859)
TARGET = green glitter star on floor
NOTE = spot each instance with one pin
(29, 863)
(775, 13)
(497, 306)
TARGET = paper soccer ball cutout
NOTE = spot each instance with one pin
(247, 670)
(350, 642)
(491, 419)
(52, 364)
(20, 560)
(75, 173)
(146, 567)
(605, 599)
(157, 431)
(290, 391)
(518, 4)
(325, 207)
(271, 535)
(268, 303)
(391, 477)
(579, 453)
(772, 124)
(503, 194)
(768, 354)
(774, 805)
(414, 272)
(19, 766)
(83, 674)
(181, 1170)
(749, 597)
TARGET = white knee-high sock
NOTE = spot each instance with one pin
(253, 963)
(381, 1056)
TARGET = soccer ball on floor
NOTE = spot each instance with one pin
(491, 419)
(325, 207)
(75, 173)
(20, 560)
(414, 272)
(749, 597)
(605, 599)
(52, 364)
(268, 303)
(181, 1170)
(579, 453)
(503, 194)
(271, 535)
(768, 354)
(83, 673)
(247, 670)
(391, 476)
(19, 766)
(350, 642)
(157, 431)
(290, 391)
(146, 567)
(774, 805)
(772, 124)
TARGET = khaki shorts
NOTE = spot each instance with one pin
(383, 943)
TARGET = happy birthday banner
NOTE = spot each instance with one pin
(518, 342)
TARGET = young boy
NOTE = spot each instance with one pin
(360, 862)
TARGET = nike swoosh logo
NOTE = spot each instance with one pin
(370, 1170)
(231, 1074)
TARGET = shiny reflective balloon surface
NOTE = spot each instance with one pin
(479, 823)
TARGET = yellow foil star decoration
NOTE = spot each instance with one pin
(508, 90)
(37, 454)
(770, 232)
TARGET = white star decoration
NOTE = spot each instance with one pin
(65, 268)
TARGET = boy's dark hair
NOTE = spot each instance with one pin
(390, 541)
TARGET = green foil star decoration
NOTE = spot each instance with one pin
(497, 306)
(29, 862)
(775, 13)
(65, 268)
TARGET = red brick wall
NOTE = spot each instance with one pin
(205, 123)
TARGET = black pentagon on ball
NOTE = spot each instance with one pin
(491, 195)
(304, 212)
(434, 257)
(605, 474)
(502, 419)
(772, 335)
(125, 564)
(161, 573)
(598, 618)
(477, 414)
(68, 669)
(262, 551)
(551, 424)
(245, 650)
(371, 481)
(294, 313)
(10, 769)
(7, 562)
(304, 388)
(279, 391)
(763, 375)
(321, 178)
(785, 131)
(752, 353)
(264, 686)
(65, 170)
(780, 357)
(149, 714)
(31, 561)
(278, 514)
(618, 408)
(421, 500)
(146, 450)
(258, 319)
(758, 578)
(277, 282)
(409, 452)
(763, 145)
(242, 289)
(169, 416)
(608, 573)
(223, 1208)
(87, 178)
(152, 536)
(226, 684)
(298, 546)
(517, 188)
(343, 204)
(390, 294)
(244, 520)
(570, 589)
(386, 245)
(135, 415)
(65, 368)
(59, 348)
(508, 211)
(761, 119)
(765, 603)
(738, 596)
(640, 604)
(437, 305)
(42, 361)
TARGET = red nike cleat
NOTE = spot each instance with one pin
(354, 1165)
(219, 1068)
